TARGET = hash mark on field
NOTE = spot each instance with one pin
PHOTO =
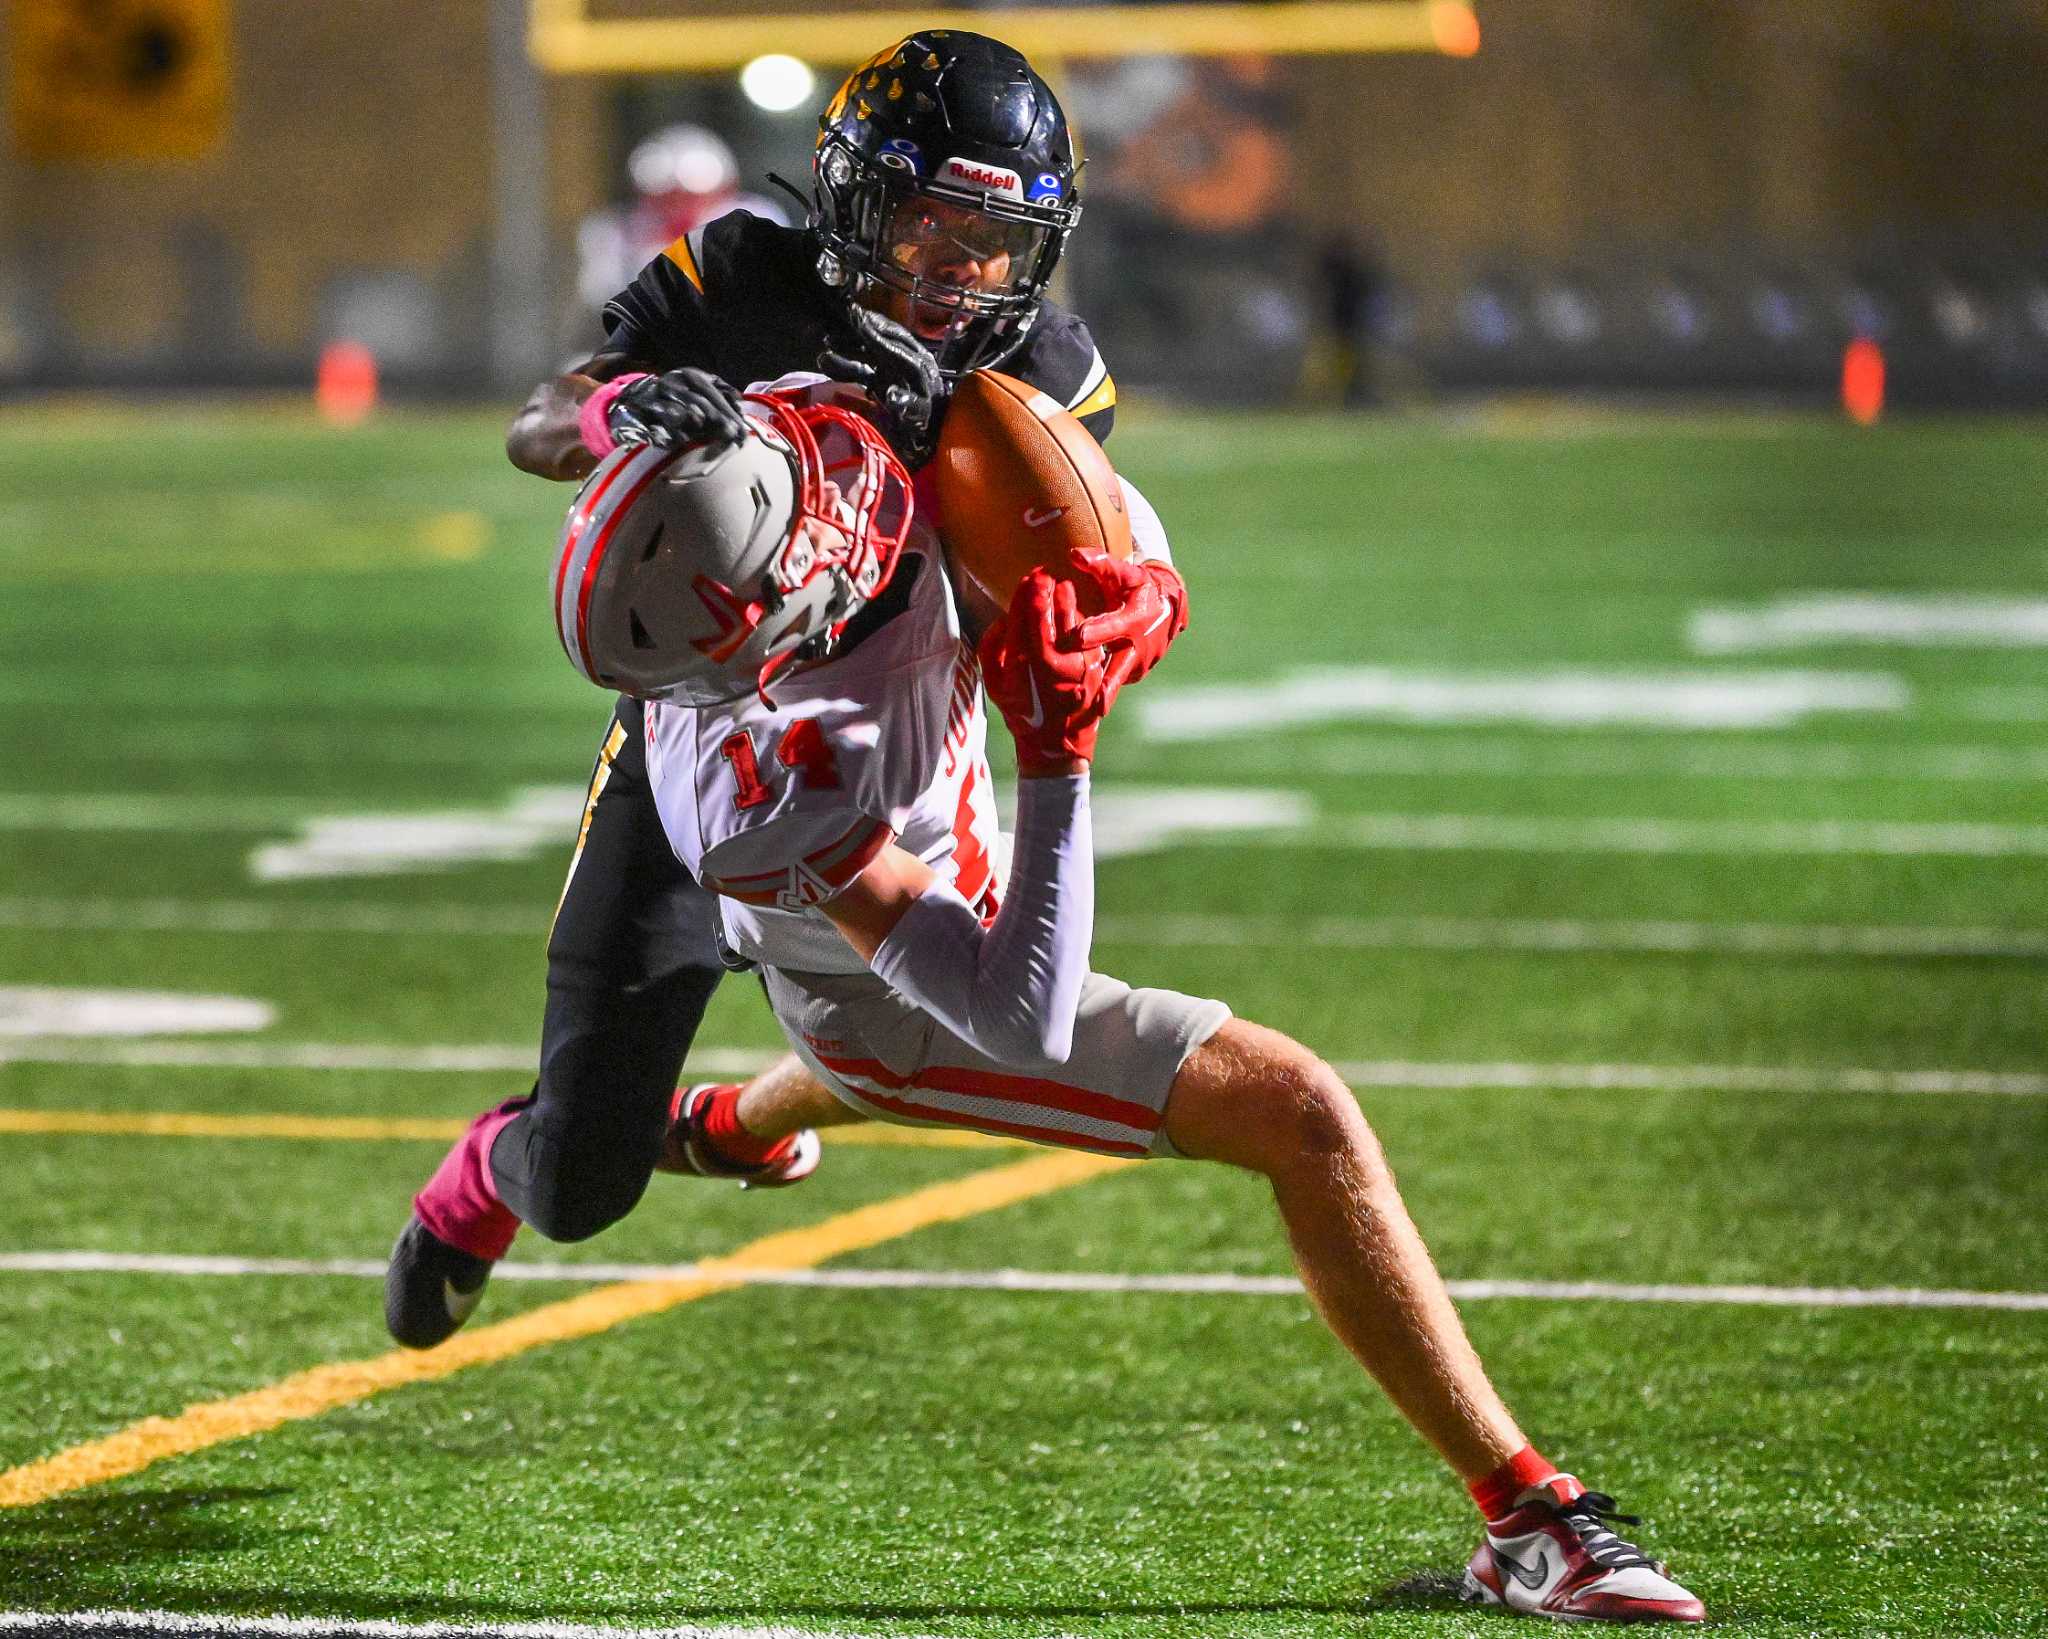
(1384, 1073)
(1891, 619)
(1035, 1280)
(70, 811)
(67, 1010)
(1700, 699)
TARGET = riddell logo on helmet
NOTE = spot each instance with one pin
(992, 177)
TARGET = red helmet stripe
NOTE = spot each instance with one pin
(586, 509)
(604, 540)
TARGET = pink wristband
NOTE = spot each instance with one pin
(590, 420)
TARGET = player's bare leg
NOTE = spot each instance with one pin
(773, 1146)
(763, 1133)
(785, 1098)
(1252, 1098)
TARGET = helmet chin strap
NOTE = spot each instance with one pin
(820, 645)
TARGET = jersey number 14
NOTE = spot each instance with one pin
(803, 750)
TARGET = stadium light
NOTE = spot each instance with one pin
(778, 82)
(1454, 28)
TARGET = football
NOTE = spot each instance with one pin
(1019, 483)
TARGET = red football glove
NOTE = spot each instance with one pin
(1052, 688)
(1146, 609)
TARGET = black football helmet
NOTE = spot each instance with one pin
(946, 174)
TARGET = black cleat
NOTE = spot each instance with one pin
(431, 1287)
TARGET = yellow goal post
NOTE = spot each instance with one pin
(564, 37)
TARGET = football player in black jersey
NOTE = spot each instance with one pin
(944, 188)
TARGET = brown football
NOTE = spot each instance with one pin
(1020, 483)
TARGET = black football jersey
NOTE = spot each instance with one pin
(740, 297)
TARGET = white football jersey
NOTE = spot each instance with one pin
(777, 808)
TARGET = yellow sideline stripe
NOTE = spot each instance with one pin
(171, 1124)
(340, 1383)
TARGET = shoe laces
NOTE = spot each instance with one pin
(1587, 1516)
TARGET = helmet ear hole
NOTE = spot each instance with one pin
(638, 631)
(653, 543)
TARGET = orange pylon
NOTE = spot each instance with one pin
(1863, 381)
(346, 387)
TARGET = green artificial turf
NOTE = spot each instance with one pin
(223, 625)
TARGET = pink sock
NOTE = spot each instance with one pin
(460, 1203)
(1496, 1492)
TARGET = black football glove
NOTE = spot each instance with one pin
(683, 407)
(902, 377)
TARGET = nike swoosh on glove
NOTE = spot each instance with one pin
(1145, 607)
(1052, 688)
(686, 406)
(901, 375)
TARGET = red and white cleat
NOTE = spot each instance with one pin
(1554, 1556)
(688, 1148)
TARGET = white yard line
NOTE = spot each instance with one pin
(494, 1058)
(409, 843)
(1687, 1078)
(1509, 834)
(270, 916)
(1033, 1280)
(247, 916)
(1438, 752)
(1491, 934)
(513, 1058)
(1623, 756)
(116, 1624)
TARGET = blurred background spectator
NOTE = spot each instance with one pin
(683, 176)
(1661, 196)
(1191, 257)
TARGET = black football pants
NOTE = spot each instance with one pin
(631, 962)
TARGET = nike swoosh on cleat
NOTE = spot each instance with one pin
(461, 1305)
(1529, 1578)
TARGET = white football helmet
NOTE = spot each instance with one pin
(694, 575)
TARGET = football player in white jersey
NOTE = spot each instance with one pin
(814, 741)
